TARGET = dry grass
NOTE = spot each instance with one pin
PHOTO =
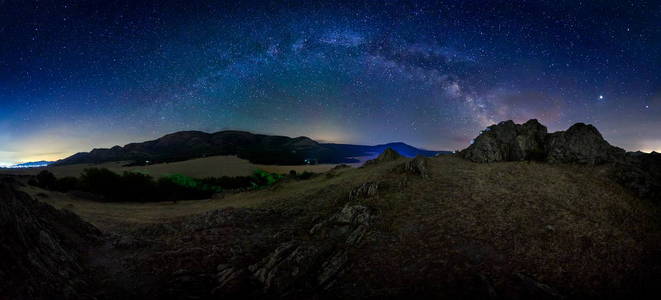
(569, 226)
(214, 166)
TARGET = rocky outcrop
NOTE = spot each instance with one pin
(581, 144)
(418, 166)
(387, 155)
(299, 266)
(40, 249)
(508, 141)
(364, 190)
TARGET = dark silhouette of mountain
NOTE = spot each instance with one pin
(348, 150)
(257, 148)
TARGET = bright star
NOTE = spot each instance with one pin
(601, 97)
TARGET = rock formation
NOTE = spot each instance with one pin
(40, 249)
(580, 144)
(387, 155)
(508, 141)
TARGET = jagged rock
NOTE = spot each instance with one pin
(417, 166)
(351, 223)
(332, 268)
(507, 141)
(231, 281)
(285, 266)
(365, 190)
(306, 263)
(582, 144)
(387, 155)
(40, 249)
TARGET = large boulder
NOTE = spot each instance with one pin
(508, 141)
(582, 144)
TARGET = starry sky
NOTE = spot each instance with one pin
(75, 75)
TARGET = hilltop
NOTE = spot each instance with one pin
(519, 227)
(256, 148)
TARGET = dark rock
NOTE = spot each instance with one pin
(417, 166)
(507, 141)
(282, 269)
(351, 224)
(365, 190)
(387, 155)
(40, 249)
(231, 281)
(581, 144)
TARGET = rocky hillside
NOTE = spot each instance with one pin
(443, 227)
(580, 144)
(424, 227)
(41, 248)
(257, 148)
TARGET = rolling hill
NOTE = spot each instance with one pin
(257, 148)
(518, 215)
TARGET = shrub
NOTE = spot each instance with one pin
(264, 178)
(138, 187)
(178, 187)
(66, 184)
(101, 181)
(46, 179)
(133, 186)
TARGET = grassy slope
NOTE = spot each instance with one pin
(565, 225)
(214, 166)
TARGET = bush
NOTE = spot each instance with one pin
(66, 184)
(137, 187)
(101, 181)
(131, 186)
(179, 187)
(46, 179)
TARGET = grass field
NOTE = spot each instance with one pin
(214, 166)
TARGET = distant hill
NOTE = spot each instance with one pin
(348, 150)
(257, 148)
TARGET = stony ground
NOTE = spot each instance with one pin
(437, 227)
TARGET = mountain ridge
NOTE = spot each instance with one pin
(257, 148)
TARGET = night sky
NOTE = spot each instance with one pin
(81, 74)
